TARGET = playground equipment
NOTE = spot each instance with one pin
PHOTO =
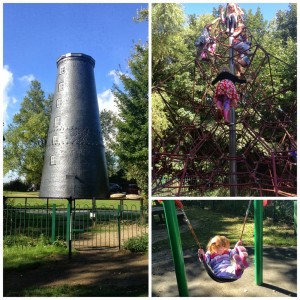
(176, 247)
(75, 163)
(255, 156)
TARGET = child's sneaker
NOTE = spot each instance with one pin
(243, 255)
(239, 267)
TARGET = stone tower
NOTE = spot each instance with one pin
(74, 162)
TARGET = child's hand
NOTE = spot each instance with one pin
(239, 243)
(201, 252)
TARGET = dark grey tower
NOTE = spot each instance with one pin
(74, 162)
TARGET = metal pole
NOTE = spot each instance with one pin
(176, 248)
(53, 237)
(295, 217)
(232, 135)
(119, 226)
(69, 226)
(258, 241)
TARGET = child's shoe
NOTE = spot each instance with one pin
(239, 267)
(243, 255)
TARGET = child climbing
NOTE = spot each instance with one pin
(233, 14)
(219, 255)
(205, 43)
(242, 45)
(226, 95)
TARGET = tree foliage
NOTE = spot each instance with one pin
(26, 136)
(109, 131)
(132, 124)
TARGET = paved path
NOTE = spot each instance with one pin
(279, 276)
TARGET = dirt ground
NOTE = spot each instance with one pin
(89, 268)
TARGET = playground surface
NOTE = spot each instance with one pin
(279, 275)
(109, 268)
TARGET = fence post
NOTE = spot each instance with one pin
(69, 226)
(53, 236)
(119, 225)
(295, 217)
(142, 211)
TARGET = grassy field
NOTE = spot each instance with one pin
(18, 199)
(81, 291)
(208, 223)
(26, 257)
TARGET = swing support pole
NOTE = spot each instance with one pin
(258, 241)
(232, 134)
(176, 247)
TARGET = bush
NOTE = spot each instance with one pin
(15, 185)
(137, 244)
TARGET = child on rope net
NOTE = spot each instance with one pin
(205, 43)
(233, 14)
(241, 45)
(226, 95)
(219, 255)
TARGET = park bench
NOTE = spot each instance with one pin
(158, 216)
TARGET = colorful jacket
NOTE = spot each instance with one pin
(219, 262)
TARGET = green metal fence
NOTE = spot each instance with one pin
(96, 226)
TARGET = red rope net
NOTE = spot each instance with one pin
(192, 159)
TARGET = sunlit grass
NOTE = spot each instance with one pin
(27, 256)
(207, 223)
(19, 199)
(83, 291)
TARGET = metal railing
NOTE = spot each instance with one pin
(93, 226)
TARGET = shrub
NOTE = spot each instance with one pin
(137, 244)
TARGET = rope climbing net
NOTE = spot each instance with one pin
(192, 157)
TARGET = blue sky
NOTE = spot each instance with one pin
(35, 35)
(267, 9)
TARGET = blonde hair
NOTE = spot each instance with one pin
(234, 6)
(217, 242)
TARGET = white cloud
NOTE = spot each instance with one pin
(106, 100)
(115, 76)
(27, 78)
(7, 83)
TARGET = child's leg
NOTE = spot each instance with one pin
(239, 267)
(226, 110)
(232, 22)
(243, 255)
(219, 105)
(227, 24)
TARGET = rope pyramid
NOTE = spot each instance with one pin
(192, 159)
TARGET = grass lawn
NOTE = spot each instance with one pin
(82, 291)
(207, 223)
(18, 199)
(21, 258)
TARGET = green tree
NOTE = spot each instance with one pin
(109, 131)
(26, 136)
(286, 22)
(132, 125)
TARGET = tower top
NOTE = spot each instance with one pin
(76, 55)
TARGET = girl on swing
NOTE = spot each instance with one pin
(219, 255)
(226, 95)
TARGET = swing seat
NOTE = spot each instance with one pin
(212, 275)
